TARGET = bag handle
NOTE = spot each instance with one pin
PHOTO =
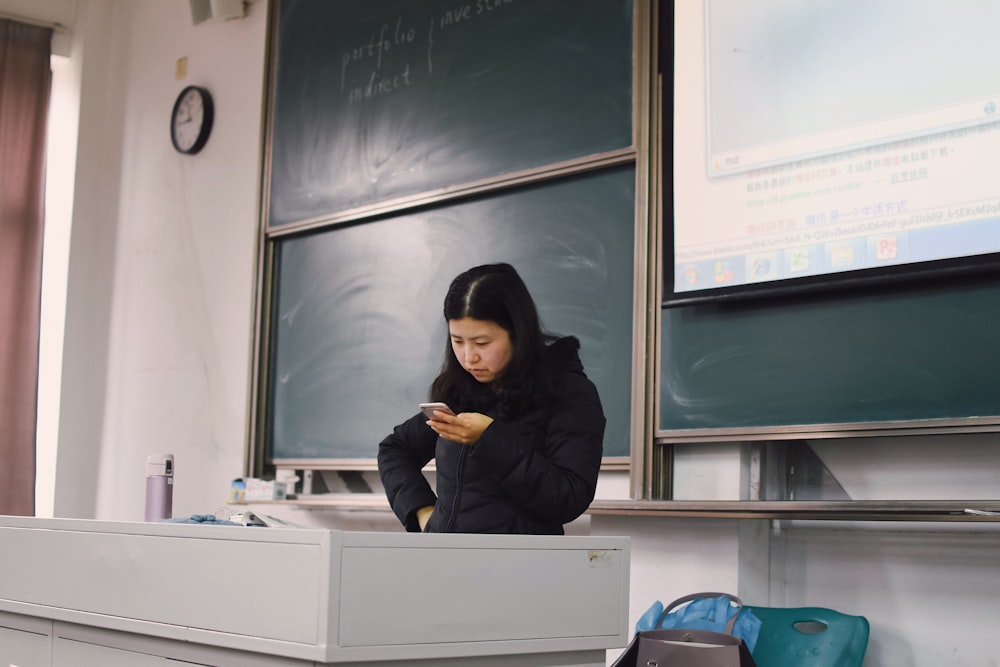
(694, 596)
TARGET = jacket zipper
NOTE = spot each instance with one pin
(459, 471)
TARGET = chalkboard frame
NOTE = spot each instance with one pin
(898, 404)
(340, 316)
(313, 109)
(636, 155)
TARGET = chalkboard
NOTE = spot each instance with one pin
(358, 334)
(379, 99)
(909, 352)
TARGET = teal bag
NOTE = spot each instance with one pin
(829, 638)
(719, 612)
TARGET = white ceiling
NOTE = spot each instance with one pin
(58, 14)
(48, 12)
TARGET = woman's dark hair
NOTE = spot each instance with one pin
(496, 293)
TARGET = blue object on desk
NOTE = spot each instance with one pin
(202, 519)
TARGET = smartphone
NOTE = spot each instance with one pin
(429, 408)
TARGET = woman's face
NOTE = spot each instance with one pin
(483, 348)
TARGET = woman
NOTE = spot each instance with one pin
(523, 448)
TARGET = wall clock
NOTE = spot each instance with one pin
(191, 119)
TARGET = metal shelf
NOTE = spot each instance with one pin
(838, 510)
(338, 501)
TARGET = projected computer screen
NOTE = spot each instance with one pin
(817, 141)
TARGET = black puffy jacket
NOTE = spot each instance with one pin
(530, 474)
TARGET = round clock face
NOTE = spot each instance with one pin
(191, 120)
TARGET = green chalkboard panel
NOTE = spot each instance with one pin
(357, 331)
(909, 352)
(379, 99)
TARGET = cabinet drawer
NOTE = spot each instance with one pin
(20, 648)
(70, 653)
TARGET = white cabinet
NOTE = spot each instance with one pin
(154, 593)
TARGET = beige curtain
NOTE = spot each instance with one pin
(25, 79)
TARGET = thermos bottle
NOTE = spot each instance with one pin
(159, 487)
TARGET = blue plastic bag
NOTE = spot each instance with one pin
(704, 611)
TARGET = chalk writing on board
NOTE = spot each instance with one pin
(380, 99)
(390, 37)
(382, 64)
(456, 16)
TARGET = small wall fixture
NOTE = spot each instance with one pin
(216, 10)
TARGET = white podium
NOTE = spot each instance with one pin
(80, 593)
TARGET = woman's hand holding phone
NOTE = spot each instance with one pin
(464, 429)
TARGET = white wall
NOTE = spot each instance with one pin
(157, 358)
(162, 269)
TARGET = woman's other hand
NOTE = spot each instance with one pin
(424, 515)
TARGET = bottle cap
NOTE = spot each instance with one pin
(160, 464)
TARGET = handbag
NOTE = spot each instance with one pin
(693, 631)
(720, 612)
(685, 648)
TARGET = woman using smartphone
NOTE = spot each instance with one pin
(519, 446)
